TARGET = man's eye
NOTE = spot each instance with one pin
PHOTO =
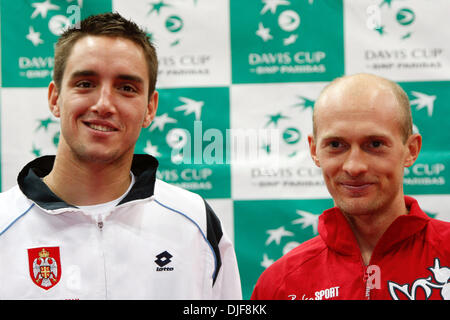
(83, 84)
(376, 144)
(335, 144)
(128, 88)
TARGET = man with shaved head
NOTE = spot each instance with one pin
(376, 243)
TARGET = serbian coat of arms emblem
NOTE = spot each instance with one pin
(45, 266)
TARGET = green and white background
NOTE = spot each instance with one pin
(237, 82)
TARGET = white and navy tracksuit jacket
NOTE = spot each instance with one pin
(159, 242)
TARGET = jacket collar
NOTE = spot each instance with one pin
(29, 180)
(335, 230)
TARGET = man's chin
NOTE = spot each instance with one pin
(356, 206)
(98, 157)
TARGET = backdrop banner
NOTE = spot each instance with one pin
(237, 83)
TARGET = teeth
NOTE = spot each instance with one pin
(100, 128)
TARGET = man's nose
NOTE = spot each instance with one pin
(105, 101)
(355, 162)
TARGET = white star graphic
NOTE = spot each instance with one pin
(277, 234)
(272, 5)
(423, 101)
(263, 33)
(266, 261)
(151, 149)
(160, 121)
(307, 219)
(34, 37)
(190, 106)
(42, 8)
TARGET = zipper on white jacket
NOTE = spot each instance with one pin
(100, 223)
(100, 218)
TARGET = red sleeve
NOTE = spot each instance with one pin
(268, 285)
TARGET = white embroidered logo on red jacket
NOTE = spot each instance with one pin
(441, 277)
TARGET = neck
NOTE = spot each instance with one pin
(88, 183)
(369, 228)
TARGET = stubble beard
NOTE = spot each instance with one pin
(377, 204)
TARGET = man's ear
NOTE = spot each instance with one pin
(53, 95)
(312, 149)
(413, 144)
(151, 109)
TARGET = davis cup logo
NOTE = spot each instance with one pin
(286, 121)
(286, 25)
(45, 137)
(45, 266)
(387, 19)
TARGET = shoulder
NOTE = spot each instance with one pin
(298, 261)
(439, 231)
(436, 231)
(178, 199)
(441, 225)
(13, 205)
(188, 204)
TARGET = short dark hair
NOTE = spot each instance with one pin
(110, 25)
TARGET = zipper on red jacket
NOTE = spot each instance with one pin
(371, 278)
(365, 278)
(367, 286)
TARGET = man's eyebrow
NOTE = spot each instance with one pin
(379, 136)
(130, 77)
(83, 73)
(369, 137)
(332, 137)
(91, 73)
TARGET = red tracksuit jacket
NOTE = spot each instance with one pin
(410, 261)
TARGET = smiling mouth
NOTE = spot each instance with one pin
(98, 127)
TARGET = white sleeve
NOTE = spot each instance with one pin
(228, 283)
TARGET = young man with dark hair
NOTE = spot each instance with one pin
(94, 222)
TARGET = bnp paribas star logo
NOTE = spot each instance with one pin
(392, 18)
(422, 101)
(169, 18)
(282, 239)
(279, 21)
(429, 174)
(286, 122)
